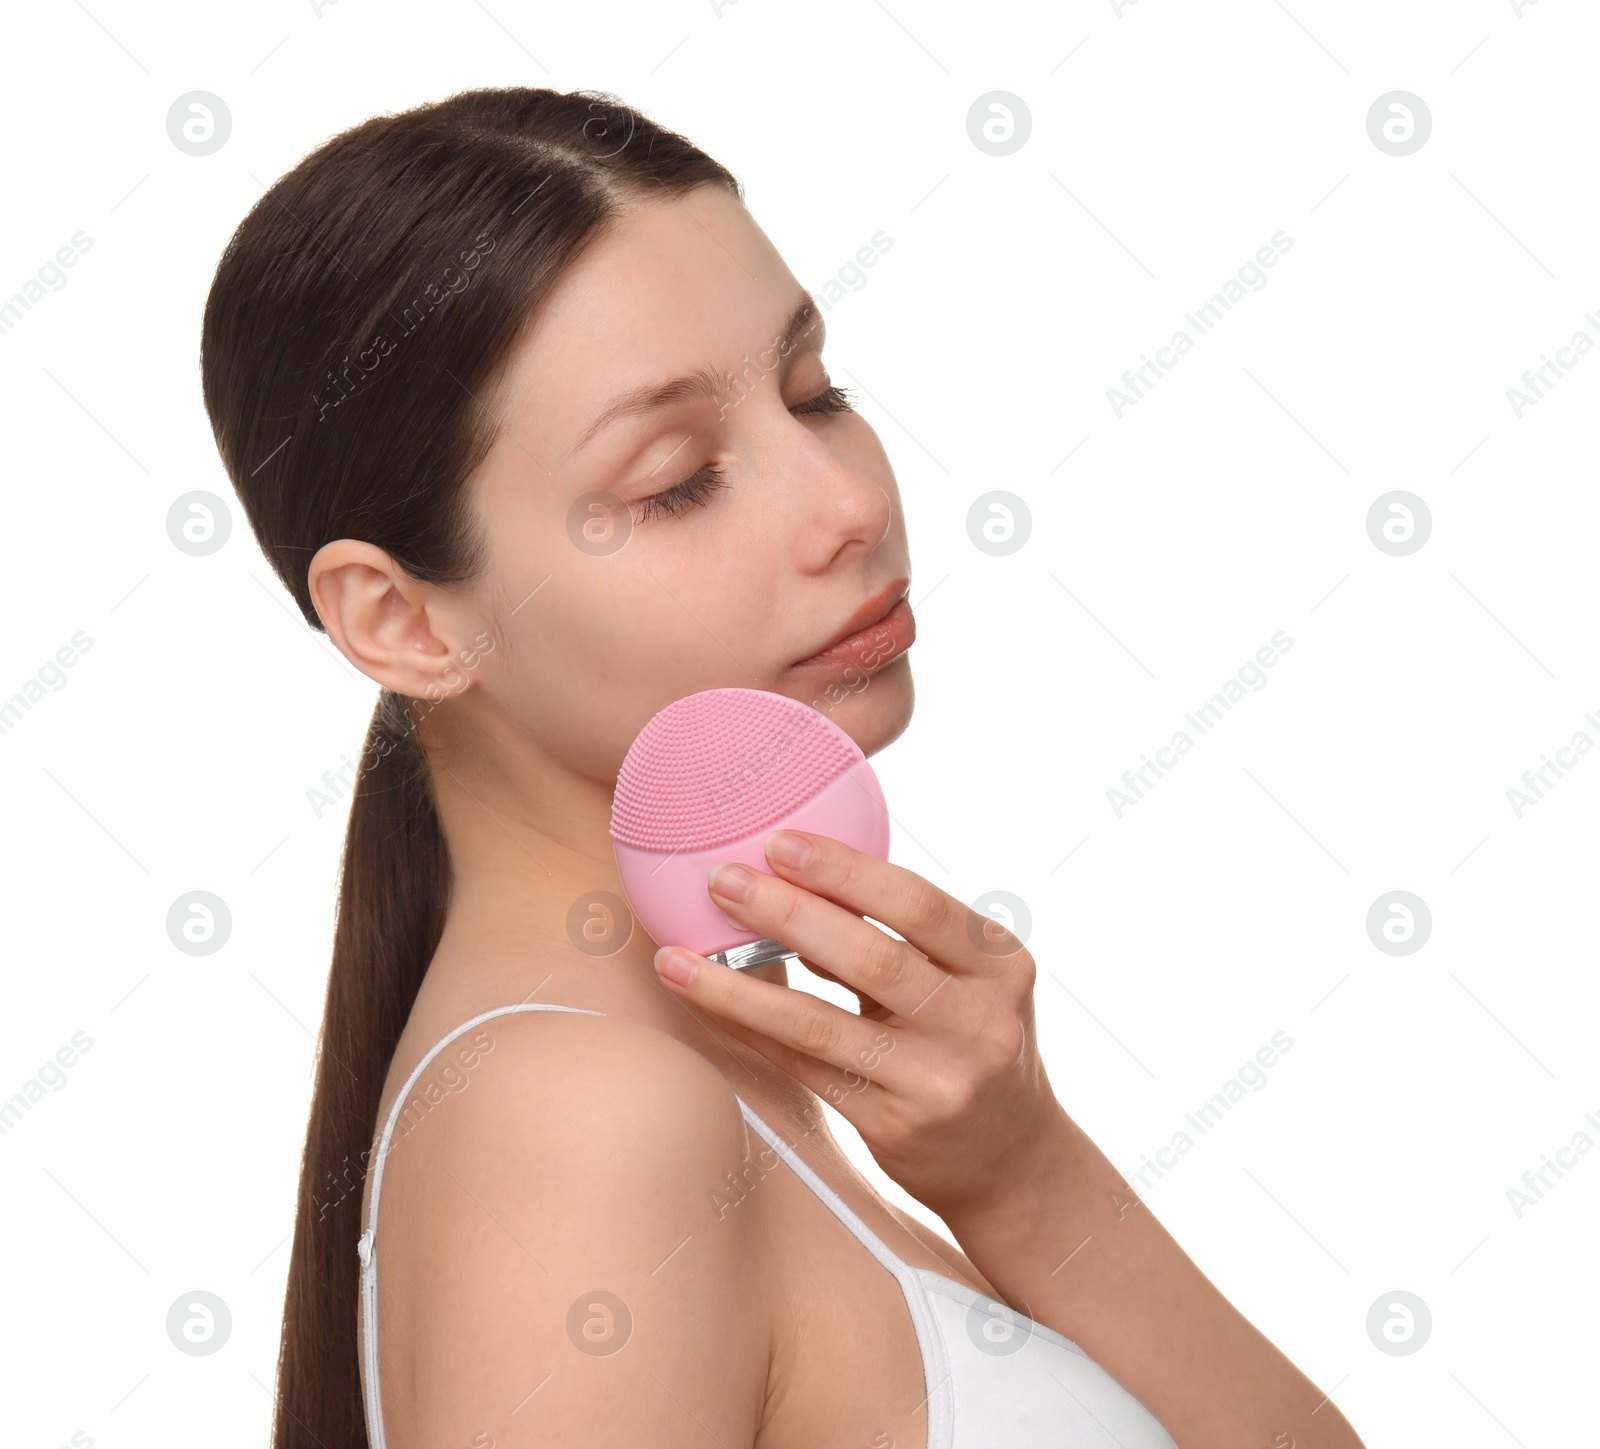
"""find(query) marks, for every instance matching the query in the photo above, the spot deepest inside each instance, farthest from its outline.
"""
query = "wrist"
(1055, 1184)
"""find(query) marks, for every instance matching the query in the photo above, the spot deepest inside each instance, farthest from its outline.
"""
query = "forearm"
(1070, 1244)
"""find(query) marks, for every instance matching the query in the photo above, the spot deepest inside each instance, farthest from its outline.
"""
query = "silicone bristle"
(721, 765)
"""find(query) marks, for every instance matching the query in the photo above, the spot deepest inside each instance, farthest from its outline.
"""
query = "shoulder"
(558, 1110)
(593, 1088)
(557, 1212)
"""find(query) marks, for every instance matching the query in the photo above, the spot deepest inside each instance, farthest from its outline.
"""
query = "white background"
(1168, 143)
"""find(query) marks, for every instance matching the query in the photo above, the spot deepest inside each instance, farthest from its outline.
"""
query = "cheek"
(593, 645)
(601, 634)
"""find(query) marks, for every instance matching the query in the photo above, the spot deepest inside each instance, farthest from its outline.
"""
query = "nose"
(834, 508)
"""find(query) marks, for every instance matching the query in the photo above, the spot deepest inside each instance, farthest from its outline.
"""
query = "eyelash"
(695, 490)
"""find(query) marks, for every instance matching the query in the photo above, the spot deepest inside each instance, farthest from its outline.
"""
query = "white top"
(995, 1378)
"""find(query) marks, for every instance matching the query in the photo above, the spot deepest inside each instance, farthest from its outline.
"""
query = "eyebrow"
(707, 382)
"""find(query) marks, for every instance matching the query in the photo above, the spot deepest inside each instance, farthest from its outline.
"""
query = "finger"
(869, 1008)
(862, 957)
(835, 1085)
(945, 929)
(817, 1039)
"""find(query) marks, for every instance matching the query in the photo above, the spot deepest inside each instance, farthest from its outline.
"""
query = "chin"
(874, 712)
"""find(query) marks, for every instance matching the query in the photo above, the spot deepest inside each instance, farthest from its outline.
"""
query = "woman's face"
(612, 590)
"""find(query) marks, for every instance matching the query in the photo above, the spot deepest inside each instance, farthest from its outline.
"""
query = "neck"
(537, 911)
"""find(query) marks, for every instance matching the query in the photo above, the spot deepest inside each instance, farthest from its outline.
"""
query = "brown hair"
(358, 321)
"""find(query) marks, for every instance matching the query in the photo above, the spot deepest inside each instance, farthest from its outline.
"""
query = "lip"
(886, 608)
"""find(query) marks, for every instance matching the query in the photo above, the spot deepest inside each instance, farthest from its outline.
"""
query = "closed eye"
(830, 400)
(681, 497)
(696, 490)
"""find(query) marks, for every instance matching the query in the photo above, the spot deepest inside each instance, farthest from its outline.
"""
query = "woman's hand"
(940, 1072)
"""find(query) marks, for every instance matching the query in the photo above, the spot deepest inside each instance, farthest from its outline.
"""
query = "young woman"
(533, 420)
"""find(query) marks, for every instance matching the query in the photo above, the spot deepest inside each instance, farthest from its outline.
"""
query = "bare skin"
(592, 1153)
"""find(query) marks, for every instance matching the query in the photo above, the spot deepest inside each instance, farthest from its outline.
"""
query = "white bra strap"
(940, 1400)
(366, 1247)
(841, 1209)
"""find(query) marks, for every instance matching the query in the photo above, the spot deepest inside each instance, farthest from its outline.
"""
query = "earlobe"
(378, 617)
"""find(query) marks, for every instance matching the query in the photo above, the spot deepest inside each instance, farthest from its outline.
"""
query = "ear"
(393, 628)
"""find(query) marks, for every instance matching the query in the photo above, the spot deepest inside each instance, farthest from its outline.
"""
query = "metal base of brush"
(754, 953)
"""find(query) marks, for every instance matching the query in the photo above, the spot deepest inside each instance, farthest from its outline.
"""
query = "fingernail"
(731, 881)
(787, 848)
(675, 964)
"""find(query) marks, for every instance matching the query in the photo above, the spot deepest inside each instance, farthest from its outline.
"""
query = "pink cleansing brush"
(705, 782)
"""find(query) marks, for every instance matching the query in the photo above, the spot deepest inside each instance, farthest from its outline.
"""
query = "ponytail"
(394, 886)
